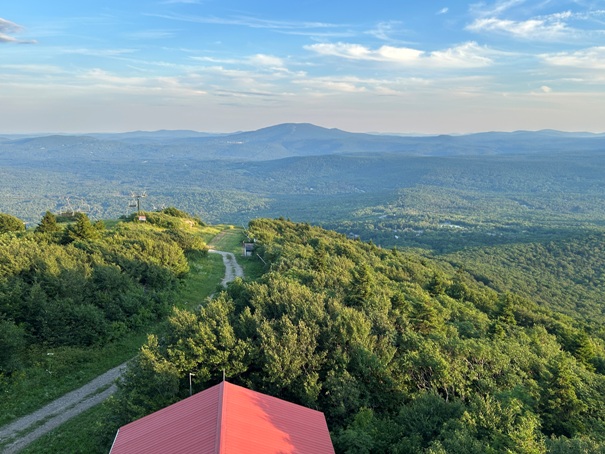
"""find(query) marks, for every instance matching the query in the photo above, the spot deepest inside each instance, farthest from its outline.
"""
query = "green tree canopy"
(48, 224)
(82, 229)
(9, 223)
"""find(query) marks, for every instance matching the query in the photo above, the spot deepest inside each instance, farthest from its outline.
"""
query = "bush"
(12, 342)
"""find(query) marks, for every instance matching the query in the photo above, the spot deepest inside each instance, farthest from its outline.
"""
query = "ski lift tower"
(136, 202)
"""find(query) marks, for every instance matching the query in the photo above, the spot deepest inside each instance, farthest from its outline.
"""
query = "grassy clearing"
(253, 267)
(203, 279)
(208, 232)
(229, 240)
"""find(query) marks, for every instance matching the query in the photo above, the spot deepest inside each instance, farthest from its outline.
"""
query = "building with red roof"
(227, 419)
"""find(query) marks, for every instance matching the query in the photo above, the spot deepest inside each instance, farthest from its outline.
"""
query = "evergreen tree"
(82, 229)
(48, 224)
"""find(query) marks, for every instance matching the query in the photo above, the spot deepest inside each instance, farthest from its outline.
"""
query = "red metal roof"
(227, 419)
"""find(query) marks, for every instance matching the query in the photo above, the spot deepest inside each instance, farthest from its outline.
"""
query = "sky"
(427, 67)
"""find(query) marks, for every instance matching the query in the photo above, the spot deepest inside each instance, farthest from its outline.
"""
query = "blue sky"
(223, 65)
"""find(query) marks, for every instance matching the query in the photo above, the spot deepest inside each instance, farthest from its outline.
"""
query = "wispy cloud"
(247, 21)
(174, 87)
(33, 69)
(443, 11)
(484, 10)
(331, 85)
(387, 31)
(467, 55)
(305, 28)
(8, 28)
(396, 86)
(559, 26)
(260, 62)
(552, 28)
(591, 58)
(150, 34)
(100, 52)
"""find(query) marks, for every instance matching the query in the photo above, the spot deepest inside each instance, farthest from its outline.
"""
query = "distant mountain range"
(303, 139)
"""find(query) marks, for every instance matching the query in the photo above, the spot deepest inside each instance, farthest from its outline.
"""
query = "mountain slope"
(402, 353)
(291, 139)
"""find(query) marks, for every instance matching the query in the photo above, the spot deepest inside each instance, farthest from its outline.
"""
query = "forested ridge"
(84, 285)
(566, 274)
(74, 295)
(404, 353)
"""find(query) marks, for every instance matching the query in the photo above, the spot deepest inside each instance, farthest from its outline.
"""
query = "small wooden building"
(248, 249)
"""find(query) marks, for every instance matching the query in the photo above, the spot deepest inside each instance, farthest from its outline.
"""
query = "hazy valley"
(482, 187)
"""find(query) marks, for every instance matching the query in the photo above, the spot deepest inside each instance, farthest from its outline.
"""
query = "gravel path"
(80, 400)
(59, 411)
(232, 268)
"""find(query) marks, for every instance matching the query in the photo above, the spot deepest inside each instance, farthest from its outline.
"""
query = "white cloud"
(8, 28)
(558, 26)
(545, 88)
(251, 22)
(267, 61)
(483, 10)
(7, 39)
(332, 85)
(386, 30)
(34, 69)
(535, 29)
(219, 61)
(100, 52)
(443, 10)
(591, 58)
(467, 55)
(151, 34)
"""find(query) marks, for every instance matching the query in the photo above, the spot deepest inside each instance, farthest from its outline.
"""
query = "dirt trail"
(59, 411)
(80, 400)
(232, 268)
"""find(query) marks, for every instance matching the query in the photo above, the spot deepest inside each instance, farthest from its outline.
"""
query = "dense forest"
(404, 353)
(79, 284)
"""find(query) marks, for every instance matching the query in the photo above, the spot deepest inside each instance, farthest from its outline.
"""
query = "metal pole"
(190, 388)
